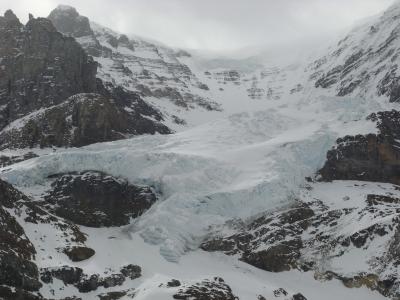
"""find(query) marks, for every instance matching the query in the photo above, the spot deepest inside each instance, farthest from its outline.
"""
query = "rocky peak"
(68, 21)
(55, 66)
(10, 16)
(67, 9)
(9, 21)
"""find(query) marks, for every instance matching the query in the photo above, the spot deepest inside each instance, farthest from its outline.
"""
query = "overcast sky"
(214, 24)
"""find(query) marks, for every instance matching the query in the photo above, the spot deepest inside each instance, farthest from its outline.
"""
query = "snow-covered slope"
(153, 70)
(192, 88)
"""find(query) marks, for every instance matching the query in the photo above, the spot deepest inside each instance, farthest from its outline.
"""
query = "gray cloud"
(215, 24)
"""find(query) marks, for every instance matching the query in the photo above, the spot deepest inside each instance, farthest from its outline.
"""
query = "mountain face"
(40, 70)
(280, 182)
(367, 57)
(39, 67)
(154, 71)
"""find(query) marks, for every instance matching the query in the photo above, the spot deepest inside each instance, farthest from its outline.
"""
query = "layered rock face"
(81, 120)
(39, 67)
(374, 157)
(281, 231)
(49, 94)
(365, 57)
(68, 21)
(19, 275)
(152, 70)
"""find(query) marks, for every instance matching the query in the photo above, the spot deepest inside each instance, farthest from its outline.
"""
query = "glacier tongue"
(205, 176)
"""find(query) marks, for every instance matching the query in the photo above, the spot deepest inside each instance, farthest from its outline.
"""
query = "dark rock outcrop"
(174, 283)
(95, 199)
(373, 157)
(79, 253)
(17, 269)
(68, 275)
(16, 252)
(308, 235)
(10, 160)
(48, 86)
(81, 120)
(131, 271)
(278, 258)
(215, 289)
(87, 283)
(298, 297)
(115, 295)
(8, 293)
(280, 231)
(39, 67)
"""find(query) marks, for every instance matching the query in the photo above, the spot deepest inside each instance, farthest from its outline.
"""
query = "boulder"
(77, 254)
(173, 283)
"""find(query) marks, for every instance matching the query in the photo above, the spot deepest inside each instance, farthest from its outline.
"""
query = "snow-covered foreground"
(116, 248)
